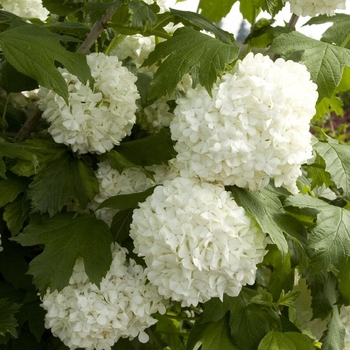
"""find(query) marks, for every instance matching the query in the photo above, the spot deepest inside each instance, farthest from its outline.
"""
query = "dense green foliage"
(42, 239)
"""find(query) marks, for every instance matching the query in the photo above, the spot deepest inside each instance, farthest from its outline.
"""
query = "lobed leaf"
(188, 51)
(213, 12)
(337, 162)
(8, 322)
(334, 339)
(287, 341)
(33, 50)
(61, 181)
(11, 187)
(67, 238)
(264, 206)
(324, 61)
(329, 240)
(155, 149)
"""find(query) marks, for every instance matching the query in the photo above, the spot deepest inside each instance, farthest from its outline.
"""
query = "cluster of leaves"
(41, 180)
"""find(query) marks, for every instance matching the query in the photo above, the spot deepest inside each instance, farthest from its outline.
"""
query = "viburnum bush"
(165, 187)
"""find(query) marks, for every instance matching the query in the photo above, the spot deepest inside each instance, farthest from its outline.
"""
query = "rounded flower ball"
(95, 120)
(313, 8)
(196, 241)
(26, 8)
(254, 128)
(85, 316)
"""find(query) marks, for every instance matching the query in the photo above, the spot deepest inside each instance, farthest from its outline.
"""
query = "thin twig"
(293, 21)
(28, 126)
(96, 30)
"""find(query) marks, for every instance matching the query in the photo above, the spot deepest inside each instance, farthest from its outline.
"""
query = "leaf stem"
(345, 42)
(96, 30)
(293, 21)
(114, 43)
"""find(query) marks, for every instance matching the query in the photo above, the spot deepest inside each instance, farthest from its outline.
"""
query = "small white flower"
(196, 241)
(85, 316)
(95, 120)
(313, 7)
(26, 8)
(254, 128)
(345, 318)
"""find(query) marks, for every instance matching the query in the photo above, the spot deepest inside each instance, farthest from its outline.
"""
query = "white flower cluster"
(137, 47)
(95, 119)
(26, 8)
(301, 313)
(254, 128)
(85, 316)
(196, 241)
(345, 318)
(313, 8)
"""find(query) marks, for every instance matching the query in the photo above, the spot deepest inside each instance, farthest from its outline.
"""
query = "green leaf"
(15, 214)
(76, 29)
(33, 50)
(126, 201)
(337, 33)
(246, 318)
(211, 10)
(317, 173)
(25, 163)
(168, 329)
(61, 181)
(324, 293)
(324, 61)
(13, 266)
(142, 15)
(119, 162)
(334, 339)
(155, 149)
(120, 226)
(249, 10)
(271, 6)
(201, 22)
(13, 81)
(216, 336)
(337, 160)
(188, 51)
(8, 322)
(344, 282)
(263, 206)
(62, 8)
(287, 341)
(329, 240)
(66, 239)
(282, 275)
(11, 187)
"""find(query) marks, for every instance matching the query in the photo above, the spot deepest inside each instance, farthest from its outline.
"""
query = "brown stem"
(293, 21)
(96, 30)
(28, 126)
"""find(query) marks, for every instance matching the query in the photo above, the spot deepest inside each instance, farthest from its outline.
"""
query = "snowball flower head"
(345, 318)
(254, 128)
(85, 316)
(26, 8)
(196, 241)
(137, 47)
(95, 119)
(313, 7)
